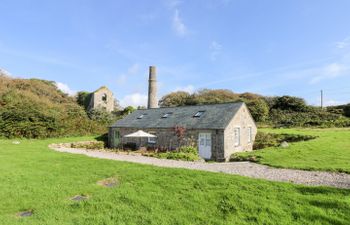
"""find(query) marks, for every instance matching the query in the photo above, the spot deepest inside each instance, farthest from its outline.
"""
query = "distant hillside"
(35, 108)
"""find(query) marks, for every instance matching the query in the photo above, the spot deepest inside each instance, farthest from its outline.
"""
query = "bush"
(89, 145)
(265, 140)
(314, 117)
(290, 103)
(178, 156)
(242, 158)
(186, 153)
(347, 110)
(258, 109)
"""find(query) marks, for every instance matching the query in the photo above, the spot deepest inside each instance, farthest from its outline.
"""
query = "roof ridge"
(185, 106)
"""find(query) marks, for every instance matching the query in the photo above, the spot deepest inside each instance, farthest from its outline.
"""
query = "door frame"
(206, 149)
(116, 138)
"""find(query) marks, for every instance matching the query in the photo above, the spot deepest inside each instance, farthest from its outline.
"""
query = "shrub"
(178, 156)
(188, 149)
(347, 110)
(89, 145)
(265, 140)
(241, 158)
(311, 118)
(290, 103)
(186, 153)
(258, 109)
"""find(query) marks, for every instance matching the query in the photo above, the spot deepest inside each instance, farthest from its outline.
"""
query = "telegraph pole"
(321, 99)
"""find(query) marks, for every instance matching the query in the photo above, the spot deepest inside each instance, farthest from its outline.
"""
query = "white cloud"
(189, 88)
(135, 99)
(343, 44)
(178, 25)
(65, 88)
(132, 70)
(215, 48)
(330, 71)
(5, 72)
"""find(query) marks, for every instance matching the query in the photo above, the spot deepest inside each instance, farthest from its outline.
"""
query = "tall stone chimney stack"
(152, 88)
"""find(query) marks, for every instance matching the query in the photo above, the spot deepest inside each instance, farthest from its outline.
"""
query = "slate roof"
(215, 116)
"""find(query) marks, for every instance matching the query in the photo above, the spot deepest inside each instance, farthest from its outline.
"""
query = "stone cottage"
(102, 98)
(218, 130)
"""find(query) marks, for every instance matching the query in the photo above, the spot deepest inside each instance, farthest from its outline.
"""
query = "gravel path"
(248, 169)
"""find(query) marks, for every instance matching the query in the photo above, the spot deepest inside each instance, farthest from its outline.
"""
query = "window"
(166, 115)
(250, 135)
(104, 97)
(141, 116)
(199, 114)
(237, 136)
(152, 140)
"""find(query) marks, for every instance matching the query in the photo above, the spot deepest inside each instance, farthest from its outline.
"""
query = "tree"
(178, 98)
(207, 96)
(141, 107)
(347, 110)
(83, 99)
(259, 110)
(290, 103)
(128, 110)
(247, 96)
(117, 106)
(101, 116)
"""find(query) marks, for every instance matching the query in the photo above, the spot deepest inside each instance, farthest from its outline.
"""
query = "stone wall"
(102, 99)
(243, 120)
(166, 138)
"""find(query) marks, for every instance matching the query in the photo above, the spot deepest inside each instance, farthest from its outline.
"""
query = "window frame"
(199, 113)
(250, 134)
(166, 115)
(149, 139)
(237, 142)
(141, 116)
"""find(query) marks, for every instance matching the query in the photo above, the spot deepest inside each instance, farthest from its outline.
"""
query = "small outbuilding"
(218, 130)
(102, 98)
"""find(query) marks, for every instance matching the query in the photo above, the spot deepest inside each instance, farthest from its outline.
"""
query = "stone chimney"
(152, 88)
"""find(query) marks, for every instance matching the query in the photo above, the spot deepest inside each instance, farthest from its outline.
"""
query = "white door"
(204, 145)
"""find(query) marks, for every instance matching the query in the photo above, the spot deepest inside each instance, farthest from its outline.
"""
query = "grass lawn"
(36, 178)
(329, 152)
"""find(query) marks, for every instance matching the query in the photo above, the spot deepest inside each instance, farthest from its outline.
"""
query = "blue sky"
(270, 47)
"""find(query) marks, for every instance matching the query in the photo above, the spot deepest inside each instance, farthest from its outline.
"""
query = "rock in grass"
(109, 182)
(79, 198)
(284, 144)
(26, 213)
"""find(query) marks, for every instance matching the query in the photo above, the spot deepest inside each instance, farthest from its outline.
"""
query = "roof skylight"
(199, 114)
(166, 115)
(141, 116)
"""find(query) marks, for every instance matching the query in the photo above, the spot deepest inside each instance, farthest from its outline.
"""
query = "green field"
(329, 152)
(36, 178)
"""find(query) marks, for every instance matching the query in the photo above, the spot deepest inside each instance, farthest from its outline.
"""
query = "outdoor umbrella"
(139, 134)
